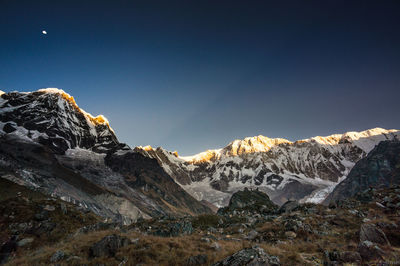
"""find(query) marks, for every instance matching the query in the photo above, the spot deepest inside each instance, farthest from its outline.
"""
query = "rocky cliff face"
(49, 144)
(52, 117)
(380, 169)
(305, 169)
(145, 174)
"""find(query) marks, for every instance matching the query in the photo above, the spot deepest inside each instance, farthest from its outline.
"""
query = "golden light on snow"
(100, 119)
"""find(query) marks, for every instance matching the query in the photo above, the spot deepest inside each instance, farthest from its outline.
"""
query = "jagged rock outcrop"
(369, 232)
(52, 117)
(250, 256)
(250, 200)
(381, 168)
(108, 246)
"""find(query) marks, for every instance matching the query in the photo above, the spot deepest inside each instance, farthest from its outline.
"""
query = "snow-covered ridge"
(96, 120)
(305, 168)
(365, 140)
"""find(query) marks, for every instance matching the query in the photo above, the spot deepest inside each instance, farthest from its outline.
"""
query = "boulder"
(108, 246)
(25, 241)
(371, 233)
(254, 256)
(215, 246)
(252, 235)
(370, 251)
(57, 256)
(250, 200)
(49, 208)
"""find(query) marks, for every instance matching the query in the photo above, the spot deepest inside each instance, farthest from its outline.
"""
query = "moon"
(44, 32)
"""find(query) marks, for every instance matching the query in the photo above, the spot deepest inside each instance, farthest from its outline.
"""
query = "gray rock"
(108, 246)
(25, 241)
(254, 256)
(215, 246)
(197, 260)
(370, 251)
(251, 201)
(57, 256)
(371, 233)
(252, 235)
(49, 208)
(205, 239)
(387, 199)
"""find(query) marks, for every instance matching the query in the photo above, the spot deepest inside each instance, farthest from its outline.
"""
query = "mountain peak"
(96, 120)
(52, 116)
(252, 144)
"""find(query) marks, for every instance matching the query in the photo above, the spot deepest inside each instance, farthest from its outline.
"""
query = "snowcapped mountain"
(305, 170)
(52, 117)
(49, 144)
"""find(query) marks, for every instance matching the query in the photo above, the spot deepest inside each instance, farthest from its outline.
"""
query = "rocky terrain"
(306, 170)
(363, 230)
(381, 168)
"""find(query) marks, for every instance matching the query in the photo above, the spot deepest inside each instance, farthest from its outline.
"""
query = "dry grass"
(150, 250)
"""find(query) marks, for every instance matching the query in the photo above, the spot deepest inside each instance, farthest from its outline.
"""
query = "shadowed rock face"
(380, 169)
(108, 246)
(146, 174)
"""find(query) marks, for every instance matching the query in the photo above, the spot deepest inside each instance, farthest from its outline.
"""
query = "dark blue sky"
(193, 75)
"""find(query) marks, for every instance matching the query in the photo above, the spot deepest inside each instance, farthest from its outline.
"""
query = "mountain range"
(49, 144)
(305, 170)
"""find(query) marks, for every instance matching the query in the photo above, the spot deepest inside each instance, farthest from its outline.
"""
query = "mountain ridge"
(316, 164)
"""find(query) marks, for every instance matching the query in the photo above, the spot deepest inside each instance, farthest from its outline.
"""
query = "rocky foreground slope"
(49, 144)
(363, 230)
(305, 170)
